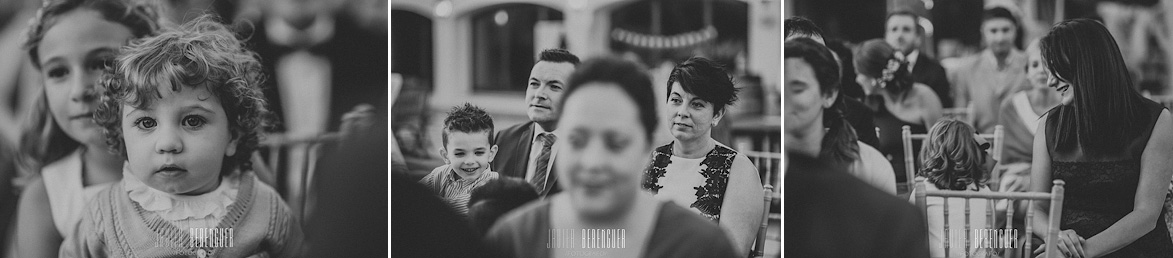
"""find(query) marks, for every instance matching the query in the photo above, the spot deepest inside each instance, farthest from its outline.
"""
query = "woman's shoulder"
(740, 160)
(923, 90)
(925, 94)
(867, 152)
(67, 166)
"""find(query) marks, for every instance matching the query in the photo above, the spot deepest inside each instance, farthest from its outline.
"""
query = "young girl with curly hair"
(184, 110)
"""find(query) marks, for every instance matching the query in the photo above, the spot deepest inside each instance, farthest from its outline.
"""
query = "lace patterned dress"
(1100, 189)
(702, 190)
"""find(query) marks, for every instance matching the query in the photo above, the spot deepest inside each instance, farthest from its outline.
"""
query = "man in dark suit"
(904, 33)
(527, 150)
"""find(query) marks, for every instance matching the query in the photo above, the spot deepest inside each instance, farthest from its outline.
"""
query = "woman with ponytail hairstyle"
(814, 121)
(898, 100)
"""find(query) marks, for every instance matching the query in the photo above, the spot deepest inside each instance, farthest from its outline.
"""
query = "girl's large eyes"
(145, 123)
(194, 121)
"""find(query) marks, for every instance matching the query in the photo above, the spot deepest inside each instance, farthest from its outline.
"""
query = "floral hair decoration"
(889, 72)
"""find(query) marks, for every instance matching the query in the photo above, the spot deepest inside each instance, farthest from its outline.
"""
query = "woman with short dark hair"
(695, 170)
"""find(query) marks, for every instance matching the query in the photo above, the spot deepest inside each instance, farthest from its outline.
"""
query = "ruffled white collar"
(211, 205)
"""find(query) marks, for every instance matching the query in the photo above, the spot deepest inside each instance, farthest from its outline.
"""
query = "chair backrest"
(760, 244)
(292, 159)
(769, 166)
(910, 155)
(1055, 197)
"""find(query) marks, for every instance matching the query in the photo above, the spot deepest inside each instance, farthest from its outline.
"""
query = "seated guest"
(983, 80)
(1109, 144)
(954, 158)
(810, 93)
(812, 81)
(903, 32)
(902, 101)
(528, 150)
(857, 114)
(695, 170)
(468, 148)
(1019, 116)
(609, 117)
(487, 203)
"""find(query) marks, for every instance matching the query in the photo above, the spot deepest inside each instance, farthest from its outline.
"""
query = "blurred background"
(1141, 27)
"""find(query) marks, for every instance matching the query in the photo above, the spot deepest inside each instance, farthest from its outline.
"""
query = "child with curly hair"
(954, 158)
(184, 109)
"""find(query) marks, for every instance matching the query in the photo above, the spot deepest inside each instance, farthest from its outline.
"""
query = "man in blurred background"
(905, 34)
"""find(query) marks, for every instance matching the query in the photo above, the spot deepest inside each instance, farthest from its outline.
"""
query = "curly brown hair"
(951, 158)
(200, 53)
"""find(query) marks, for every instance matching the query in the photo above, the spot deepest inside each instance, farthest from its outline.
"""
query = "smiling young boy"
(468, 148)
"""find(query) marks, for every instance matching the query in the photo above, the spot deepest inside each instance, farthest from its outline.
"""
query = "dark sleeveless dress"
(891, 144)
(1100, 189)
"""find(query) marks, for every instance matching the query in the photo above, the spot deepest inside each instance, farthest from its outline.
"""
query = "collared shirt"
(985, 84)
(454, 189)
(911, 58)
(535, 150)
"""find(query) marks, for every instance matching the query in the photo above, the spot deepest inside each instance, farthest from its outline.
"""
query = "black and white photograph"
(194, 128)
(983, 128)
(586, 128)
